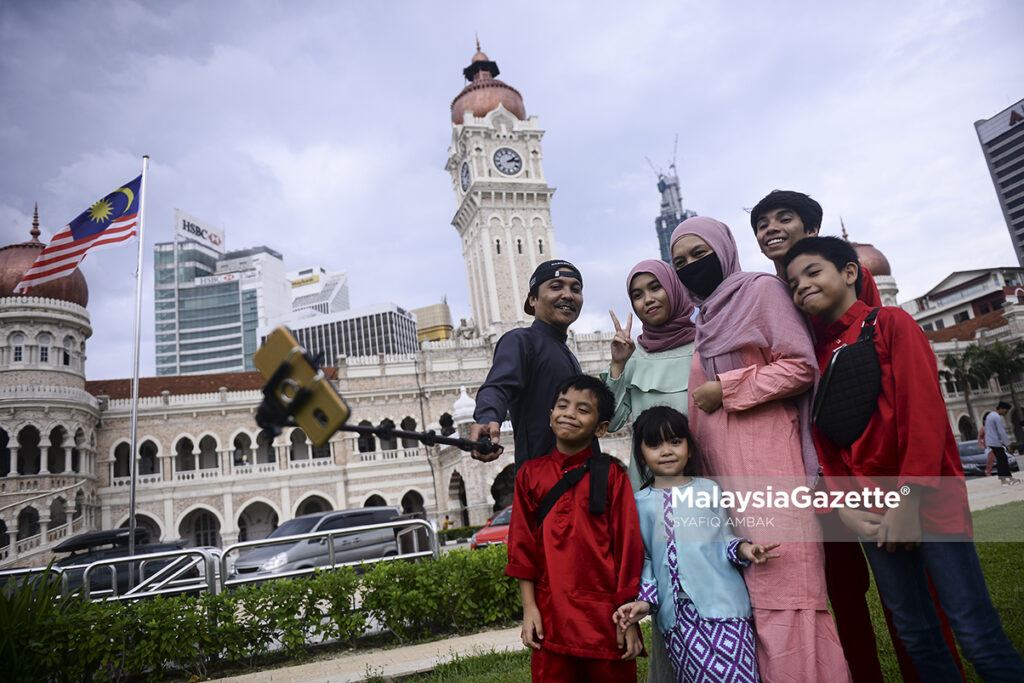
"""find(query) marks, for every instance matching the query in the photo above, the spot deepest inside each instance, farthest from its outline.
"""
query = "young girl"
(749, 389)
(690, 574)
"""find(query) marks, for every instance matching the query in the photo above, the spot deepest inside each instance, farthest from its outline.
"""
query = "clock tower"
(504, 202)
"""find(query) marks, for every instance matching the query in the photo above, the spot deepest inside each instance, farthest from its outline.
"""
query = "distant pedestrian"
(998, 441)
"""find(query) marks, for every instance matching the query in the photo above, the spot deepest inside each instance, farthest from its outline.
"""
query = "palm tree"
(1006, 361)
(964, 368)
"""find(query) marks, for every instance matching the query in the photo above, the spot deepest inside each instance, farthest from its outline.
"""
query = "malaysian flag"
(107, 223)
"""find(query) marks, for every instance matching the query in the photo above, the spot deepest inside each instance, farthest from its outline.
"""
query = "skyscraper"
(672, 211)
(1002, 142)
(209, 303)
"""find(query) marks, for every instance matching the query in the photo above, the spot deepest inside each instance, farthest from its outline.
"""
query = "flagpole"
(133, 458)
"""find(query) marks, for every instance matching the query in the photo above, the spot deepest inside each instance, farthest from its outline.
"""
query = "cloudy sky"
(321, 129)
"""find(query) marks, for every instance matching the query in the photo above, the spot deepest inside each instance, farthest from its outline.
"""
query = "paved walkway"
(411, 659)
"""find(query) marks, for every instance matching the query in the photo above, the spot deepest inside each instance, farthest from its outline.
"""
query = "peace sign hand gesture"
(622, 345)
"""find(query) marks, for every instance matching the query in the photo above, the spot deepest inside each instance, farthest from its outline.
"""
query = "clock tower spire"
(503, 213)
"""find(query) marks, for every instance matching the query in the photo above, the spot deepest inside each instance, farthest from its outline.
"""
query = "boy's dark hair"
(801, 204)
(835, 250)
(605, 397)
(653, 427)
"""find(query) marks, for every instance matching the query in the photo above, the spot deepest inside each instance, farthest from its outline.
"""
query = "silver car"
(362, 545)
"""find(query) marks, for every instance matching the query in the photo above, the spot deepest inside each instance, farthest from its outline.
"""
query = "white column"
(491, 283)
(44, 455)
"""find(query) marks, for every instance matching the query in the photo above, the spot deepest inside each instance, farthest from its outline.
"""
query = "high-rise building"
(1002, 142)
(504, 202)
(378, 330)
(672, 211)
(314, 289)
(209, 303)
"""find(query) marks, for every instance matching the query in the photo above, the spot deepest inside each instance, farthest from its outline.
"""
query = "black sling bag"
(848, 393)
(598, 466)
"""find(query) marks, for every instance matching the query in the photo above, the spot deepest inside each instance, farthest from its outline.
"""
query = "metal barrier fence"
(195, 570)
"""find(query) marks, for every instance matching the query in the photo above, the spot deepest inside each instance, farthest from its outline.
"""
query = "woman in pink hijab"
(750, 386)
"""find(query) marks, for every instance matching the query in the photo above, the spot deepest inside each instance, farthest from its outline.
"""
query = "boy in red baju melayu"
(577, 565)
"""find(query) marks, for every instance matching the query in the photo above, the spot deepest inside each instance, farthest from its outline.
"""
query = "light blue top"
(649, 379)
(702, 537)
(995, 432)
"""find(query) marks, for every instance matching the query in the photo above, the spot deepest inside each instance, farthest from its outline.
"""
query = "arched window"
(58, 517)
(28, 523)
(121, 463)
(390, 443)
(66, 360)
(519, 246)
(540, 246)
(375, 501)
(148, 463)
(243, 449)
(44, 340)
(17, 347)
(28, 450)
(409, 425)
(208, 453)
(5, 454)
(412, 502)
(497, 245)
(265, 447)
(300, 450)
(183, 455)
(366, 444)
(447, 425)
(55, 453)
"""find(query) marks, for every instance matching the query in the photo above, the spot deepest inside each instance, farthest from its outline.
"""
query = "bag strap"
(598, 466)
(867, 328)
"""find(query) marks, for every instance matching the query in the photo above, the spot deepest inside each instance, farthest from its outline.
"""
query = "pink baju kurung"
(756, 435)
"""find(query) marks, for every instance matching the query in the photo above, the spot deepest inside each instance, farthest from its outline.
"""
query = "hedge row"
(43, 637)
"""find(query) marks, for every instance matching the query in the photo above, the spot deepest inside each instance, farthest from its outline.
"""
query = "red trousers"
(551, 667)
(847, 579)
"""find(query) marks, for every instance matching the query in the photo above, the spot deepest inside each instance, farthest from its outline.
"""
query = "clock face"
(465, 176)
(508, 161)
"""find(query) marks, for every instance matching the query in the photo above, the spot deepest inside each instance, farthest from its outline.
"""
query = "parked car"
(107, 544)
(363, 545)
(495, 531)
(973, 459)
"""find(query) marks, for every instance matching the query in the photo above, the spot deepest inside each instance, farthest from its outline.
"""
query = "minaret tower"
(504, 202)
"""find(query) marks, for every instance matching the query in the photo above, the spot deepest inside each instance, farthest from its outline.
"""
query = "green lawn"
(1002, 562)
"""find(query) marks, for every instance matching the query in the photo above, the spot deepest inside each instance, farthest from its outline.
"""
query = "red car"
(495, 531)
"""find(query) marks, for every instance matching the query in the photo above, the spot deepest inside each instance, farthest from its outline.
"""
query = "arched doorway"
(968, 432)
(184, 461)
(58, 516)
(55, 453)
(148, 523)
(28, 523)
(299, 449)
(148, 463)
(457, 502)
(503, 487)
(200, 527)
(208, 459)
(375, 501)
(366, 443)
(313, 504)
(256, 521)
(28, 452)
(412, 503)
(121, 460)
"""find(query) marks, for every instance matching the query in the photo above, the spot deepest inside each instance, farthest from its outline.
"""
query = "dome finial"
(35, 224)
(843, 226)
(477, 41)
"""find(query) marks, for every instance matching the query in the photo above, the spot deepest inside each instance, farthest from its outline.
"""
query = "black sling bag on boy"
(847, 396)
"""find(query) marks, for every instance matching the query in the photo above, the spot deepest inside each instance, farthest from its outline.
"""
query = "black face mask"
(702, 276)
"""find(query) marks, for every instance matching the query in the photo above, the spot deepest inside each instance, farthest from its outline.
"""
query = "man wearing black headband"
(529, 363)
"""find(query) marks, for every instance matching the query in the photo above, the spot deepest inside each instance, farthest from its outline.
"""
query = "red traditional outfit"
(906, 441)
(584, 566)
(846, 568)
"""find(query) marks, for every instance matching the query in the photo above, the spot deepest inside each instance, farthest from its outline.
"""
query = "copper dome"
(872, 259)
(485, 92)
(16, 259)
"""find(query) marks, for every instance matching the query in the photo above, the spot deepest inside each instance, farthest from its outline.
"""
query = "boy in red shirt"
(907, 446)
(583, 558)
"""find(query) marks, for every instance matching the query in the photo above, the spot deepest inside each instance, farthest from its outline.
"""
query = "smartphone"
(325, 411)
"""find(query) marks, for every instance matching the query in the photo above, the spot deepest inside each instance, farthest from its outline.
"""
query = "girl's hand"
(708, 396)
(630, 613)
(861, 522)
(622, 345)
(533, 629)
(632, 642)
(757, 554)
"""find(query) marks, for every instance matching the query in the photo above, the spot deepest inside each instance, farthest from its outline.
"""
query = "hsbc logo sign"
(192, 228)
